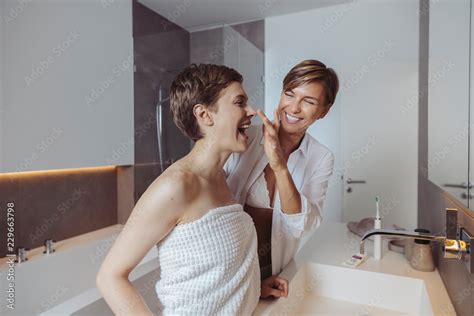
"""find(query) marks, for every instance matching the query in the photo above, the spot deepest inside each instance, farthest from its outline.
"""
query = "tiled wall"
(432, 201)
(206, 46)
(161, 50)
(239, 46)
(254, 32)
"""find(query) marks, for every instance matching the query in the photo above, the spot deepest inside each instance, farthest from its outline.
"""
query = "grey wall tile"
(59, 204)
(207, 46)
(161, 51)
(254, 32)
(239, 47)
(125, 192)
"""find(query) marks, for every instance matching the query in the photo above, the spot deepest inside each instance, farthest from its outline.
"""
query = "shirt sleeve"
(312, 195)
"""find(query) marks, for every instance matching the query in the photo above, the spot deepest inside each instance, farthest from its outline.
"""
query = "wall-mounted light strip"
(54, 172)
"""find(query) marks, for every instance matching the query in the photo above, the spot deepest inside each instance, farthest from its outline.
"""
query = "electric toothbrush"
(377, 238)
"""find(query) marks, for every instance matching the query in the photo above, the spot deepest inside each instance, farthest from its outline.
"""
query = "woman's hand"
(272, 145)
(274, 286)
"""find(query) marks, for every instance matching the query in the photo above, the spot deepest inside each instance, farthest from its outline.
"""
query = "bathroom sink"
(319, 289)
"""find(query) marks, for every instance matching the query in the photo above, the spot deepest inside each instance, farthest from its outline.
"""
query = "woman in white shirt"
(282, 178)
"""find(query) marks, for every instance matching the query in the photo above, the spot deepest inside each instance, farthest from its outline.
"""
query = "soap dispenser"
(422, 254)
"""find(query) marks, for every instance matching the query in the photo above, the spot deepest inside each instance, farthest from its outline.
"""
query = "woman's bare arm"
(154, 216)
(290, 198)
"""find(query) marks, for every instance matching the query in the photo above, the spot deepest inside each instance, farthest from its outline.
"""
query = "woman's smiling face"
(302, 106)
(232, 118)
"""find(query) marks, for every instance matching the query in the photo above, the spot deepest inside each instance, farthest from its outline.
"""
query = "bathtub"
(63, 283)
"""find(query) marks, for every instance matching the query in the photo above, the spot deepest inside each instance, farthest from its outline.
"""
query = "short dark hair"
(198, 84)
(312, 70)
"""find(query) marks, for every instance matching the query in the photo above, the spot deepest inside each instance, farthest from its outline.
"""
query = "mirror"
(448, 97)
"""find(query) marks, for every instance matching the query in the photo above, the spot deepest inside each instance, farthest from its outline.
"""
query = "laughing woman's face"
(233, 118)
(302, 106)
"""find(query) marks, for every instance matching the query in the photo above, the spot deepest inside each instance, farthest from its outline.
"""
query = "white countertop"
(333, 244)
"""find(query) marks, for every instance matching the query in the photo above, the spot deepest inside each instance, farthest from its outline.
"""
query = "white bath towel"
(210, 266)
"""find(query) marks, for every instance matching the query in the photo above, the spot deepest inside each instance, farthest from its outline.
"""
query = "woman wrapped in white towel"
(207, 244)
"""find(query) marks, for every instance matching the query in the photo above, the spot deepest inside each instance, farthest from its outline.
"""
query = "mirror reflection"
(448, 97)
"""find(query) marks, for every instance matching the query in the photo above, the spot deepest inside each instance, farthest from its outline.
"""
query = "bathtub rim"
(65, 245)
(148, 264)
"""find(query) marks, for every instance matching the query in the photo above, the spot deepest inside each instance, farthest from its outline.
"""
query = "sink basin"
(319, 289)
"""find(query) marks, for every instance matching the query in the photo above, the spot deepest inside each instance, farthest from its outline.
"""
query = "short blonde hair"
(312, 70)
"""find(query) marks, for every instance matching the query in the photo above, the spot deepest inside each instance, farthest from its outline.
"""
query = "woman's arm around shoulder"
(154, 216)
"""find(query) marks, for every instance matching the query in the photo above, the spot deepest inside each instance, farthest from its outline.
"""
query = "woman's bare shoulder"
(176, 182)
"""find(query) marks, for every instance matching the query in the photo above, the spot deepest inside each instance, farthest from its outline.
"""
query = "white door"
(379, 143)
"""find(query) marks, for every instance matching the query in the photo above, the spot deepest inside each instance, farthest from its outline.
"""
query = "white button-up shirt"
(310, 166)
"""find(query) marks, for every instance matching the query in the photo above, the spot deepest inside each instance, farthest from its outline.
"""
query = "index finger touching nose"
(262, 115)
(264, 118)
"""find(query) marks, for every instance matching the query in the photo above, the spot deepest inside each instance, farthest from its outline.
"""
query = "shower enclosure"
(161, 50)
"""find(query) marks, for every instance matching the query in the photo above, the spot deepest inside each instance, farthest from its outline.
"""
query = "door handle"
(465, 196)
(461, 186)
(350, 181)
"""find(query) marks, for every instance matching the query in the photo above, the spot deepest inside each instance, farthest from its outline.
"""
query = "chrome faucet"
(21, 254)
(48, 246)
(459, 248)
(452, 248)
